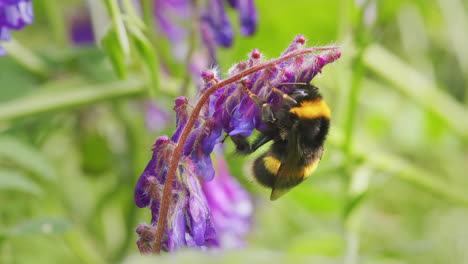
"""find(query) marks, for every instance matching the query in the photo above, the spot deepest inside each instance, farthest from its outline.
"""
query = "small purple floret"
(14, 15)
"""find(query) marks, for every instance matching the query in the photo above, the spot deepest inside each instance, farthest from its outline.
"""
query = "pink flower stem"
(166, 197)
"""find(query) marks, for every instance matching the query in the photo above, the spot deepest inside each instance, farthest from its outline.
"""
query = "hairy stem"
(166, 198)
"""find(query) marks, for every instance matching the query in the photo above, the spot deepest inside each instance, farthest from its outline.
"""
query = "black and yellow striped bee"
(298, 128)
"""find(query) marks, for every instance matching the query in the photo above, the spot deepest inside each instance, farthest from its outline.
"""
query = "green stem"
(56, 21)
(351, 221)
(148, 15)
(26, 58)
(350, 114)
(130, 11)
(159, 41)
(417, 87)
(417, 176)
(351, 231)
(82, 246)
(70, 98)
(117, 21)
(404, 170)
(352, 248)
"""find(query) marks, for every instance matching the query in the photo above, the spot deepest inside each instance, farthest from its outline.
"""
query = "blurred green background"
(391, 187)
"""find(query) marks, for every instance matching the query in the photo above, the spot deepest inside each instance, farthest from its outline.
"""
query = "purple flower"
(156, 117)
(14, 15)
(247, 15)
(173, 16)
(189, 220)
(230, 205)
(81, 28)
(218, 214)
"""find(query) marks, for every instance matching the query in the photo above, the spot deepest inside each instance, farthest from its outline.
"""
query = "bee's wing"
(291, 171)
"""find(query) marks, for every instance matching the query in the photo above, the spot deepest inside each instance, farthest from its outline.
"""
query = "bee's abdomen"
(265, 169)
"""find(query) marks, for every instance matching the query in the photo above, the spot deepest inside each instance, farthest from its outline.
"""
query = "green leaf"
(147, 53)
(26, 58)
(404, 170)
(69, 98)
(324, 244)
(39, 227)
(26, 157)
(16, 181)
(352, 203)
(314, 199)
(119, 26)
(110, 43)
(416, 86)
(96, 154)
(132, 15)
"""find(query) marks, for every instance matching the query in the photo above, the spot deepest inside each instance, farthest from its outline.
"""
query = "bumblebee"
(298, 128)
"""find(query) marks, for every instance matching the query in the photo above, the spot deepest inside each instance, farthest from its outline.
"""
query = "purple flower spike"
(230, 205)
(173, 16)
(208, 207)
(14, 15)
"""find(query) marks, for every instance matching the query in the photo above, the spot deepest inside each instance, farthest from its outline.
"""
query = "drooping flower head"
(14, 15)
(194, 217)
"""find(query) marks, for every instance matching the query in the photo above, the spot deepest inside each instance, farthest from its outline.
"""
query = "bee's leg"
(260, 141)
(244, 147)
(242, 144)
(267, 111)
(286, 98)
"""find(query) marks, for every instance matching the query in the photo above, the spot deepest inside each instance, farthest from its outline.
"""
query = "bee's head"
(302, 92)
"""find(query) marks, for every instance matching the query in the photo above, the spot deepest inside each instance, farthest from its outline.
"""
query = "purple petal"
(233, 3)
(230, 205)
(156, 168)
(141, 197)
(170, 14)
(248, 17)
(156, 118)
(16, 14)
(177, 222)
(81, 29)
(5, 33)
(217, 18)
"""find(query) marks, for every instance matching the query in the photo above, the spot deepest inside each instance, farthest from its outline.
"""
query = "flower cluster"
(14, 15)
(192, 220)
(214, 25)
(230, 206)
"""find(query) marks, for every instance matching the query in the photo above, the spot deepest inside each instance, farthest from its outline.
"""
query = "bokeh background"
(391, 187)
